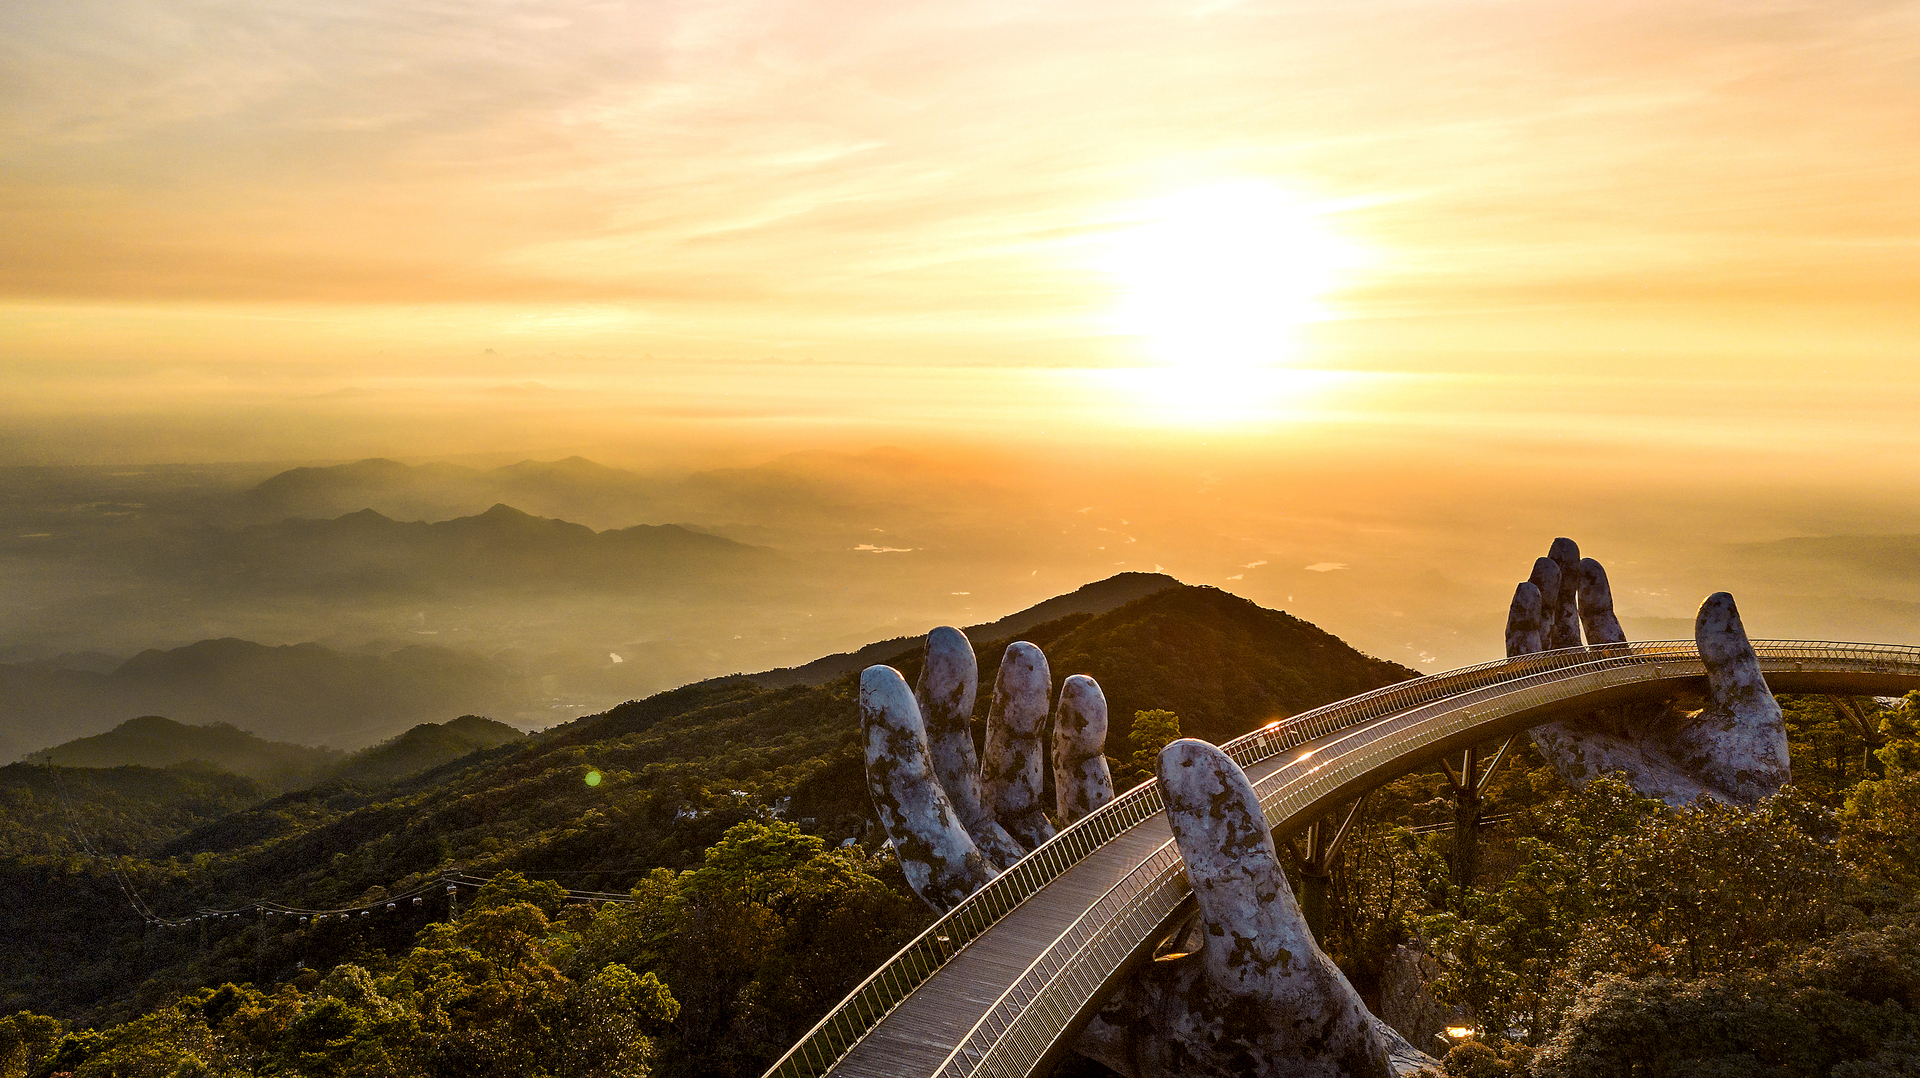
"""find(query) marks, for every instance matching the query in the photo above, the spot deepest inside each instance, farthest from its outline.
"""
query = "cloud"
(1640, 187)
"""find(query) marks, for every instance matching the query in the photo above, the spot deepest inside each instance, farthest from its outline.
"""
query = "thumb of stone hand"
(1259, 997)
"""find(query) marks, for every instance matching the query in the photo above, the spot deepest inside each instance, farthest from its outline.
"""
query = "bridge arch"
(999, 984)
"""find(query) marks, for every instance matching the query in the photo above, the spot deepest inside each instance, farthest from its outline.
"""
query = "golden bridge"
(1002, 983)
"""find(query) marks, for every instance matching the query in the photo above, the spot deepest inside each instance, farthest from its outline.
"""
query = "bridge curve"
(1000, 984)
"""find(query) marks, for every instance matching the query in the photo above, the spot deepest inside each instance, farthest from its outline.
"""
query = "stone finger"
(938, 857)
(1738, 742)
(1014, 775)
(1258, 949)
(949, 681)
(1081, 781)
(1546, 578)
(1523, 620)
(1561, 619)
(1595, 599)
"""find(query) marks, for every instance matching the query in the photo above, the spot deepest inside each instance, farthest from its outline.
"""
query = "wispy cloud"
(1644, 185)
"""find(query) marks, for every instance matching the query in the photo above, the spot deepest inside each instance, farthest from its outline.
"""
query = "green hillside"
(153, 741)
(45, 812)
(677, 770)
(426, 746)
(277, 766)
(1096, 598)
(1773, 942)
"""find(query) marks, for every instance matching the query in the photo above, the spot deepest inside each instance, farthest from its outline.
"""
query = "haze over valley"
(339, 604)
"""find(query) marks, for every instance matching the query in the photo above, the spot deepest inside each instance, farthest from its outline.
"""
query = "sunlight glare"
(1219, 397)
(1221, 277)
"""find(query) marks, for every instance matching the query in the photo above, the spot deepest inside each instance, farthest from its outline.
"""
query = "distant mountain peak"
(571, 467)
(157, 724)
(1098, 597)
(156, 741)
(365, 516)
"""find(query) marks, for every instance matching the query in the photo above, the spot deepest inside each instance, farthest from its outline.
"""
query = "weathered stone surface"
(1546, 578)
(939, 858)
(1523, 620)
(1259, 997)
(1013, 777)
(1563, 629)
(1081, 781)
(1733, 750)
(1256, 942)
(1584, 749)
(949, 683)
(1255, 996)
(1595, 599)
(1407, 1004)
(1738, 742)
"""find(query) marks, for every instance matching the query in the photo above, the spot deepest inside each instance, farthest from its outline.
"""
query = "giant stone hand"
(1252, 995)
(1733, 748)
(954, 823)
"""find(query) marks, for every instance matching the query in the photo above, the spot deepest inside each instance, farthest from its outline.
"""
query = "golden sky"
(1672, 222)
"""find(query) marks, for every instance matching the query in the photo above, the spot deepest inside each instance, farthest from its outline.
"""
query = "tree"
(24, 1038)
(1880, 832)
(1845, 1007)
(1151, 732)
(768, 932)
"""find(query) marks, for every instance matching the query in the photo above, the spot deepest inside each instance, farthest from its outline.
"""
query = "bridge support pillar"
(1469, 790)
(1315, 882)
(1315, 853)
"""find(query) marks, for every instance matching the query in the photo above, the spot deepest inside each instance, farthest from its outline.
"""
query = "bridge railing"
(1133, 899)
(1024, 1022)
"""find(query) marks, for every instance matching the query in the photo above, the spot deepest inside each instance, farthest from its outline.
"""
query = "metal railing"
(1058, 985)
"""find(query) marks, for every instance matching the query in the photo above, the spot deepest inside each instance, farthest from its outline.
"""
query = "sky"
(1682, 235)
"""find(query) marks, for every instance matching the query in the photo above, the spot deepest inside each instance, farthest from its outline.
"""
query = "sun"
(1220, 278)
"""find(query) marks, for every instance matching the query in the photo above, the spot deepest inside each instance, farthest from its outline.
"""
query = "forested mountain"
(154, 742)
(1095, 598)
(1601, 934)
(675, 772)
(424, 747)
(58, 812)
(276, 766)
(303, 693)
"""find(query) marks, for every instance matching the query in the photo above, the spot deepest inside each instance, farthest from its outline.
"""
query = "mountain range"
(302, 693)
(1095, 598)
(574, 488)
(675, 770)
(314, 695)
(502, 548)
(276, 766)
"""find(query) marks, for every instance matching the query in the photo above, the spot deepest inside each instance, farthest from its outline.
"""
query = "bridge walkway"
(999, 984)
(920, 1033)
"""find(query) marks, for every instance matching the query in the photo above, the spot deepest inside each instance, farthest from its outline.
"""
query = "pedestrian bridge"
(1002, 983)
